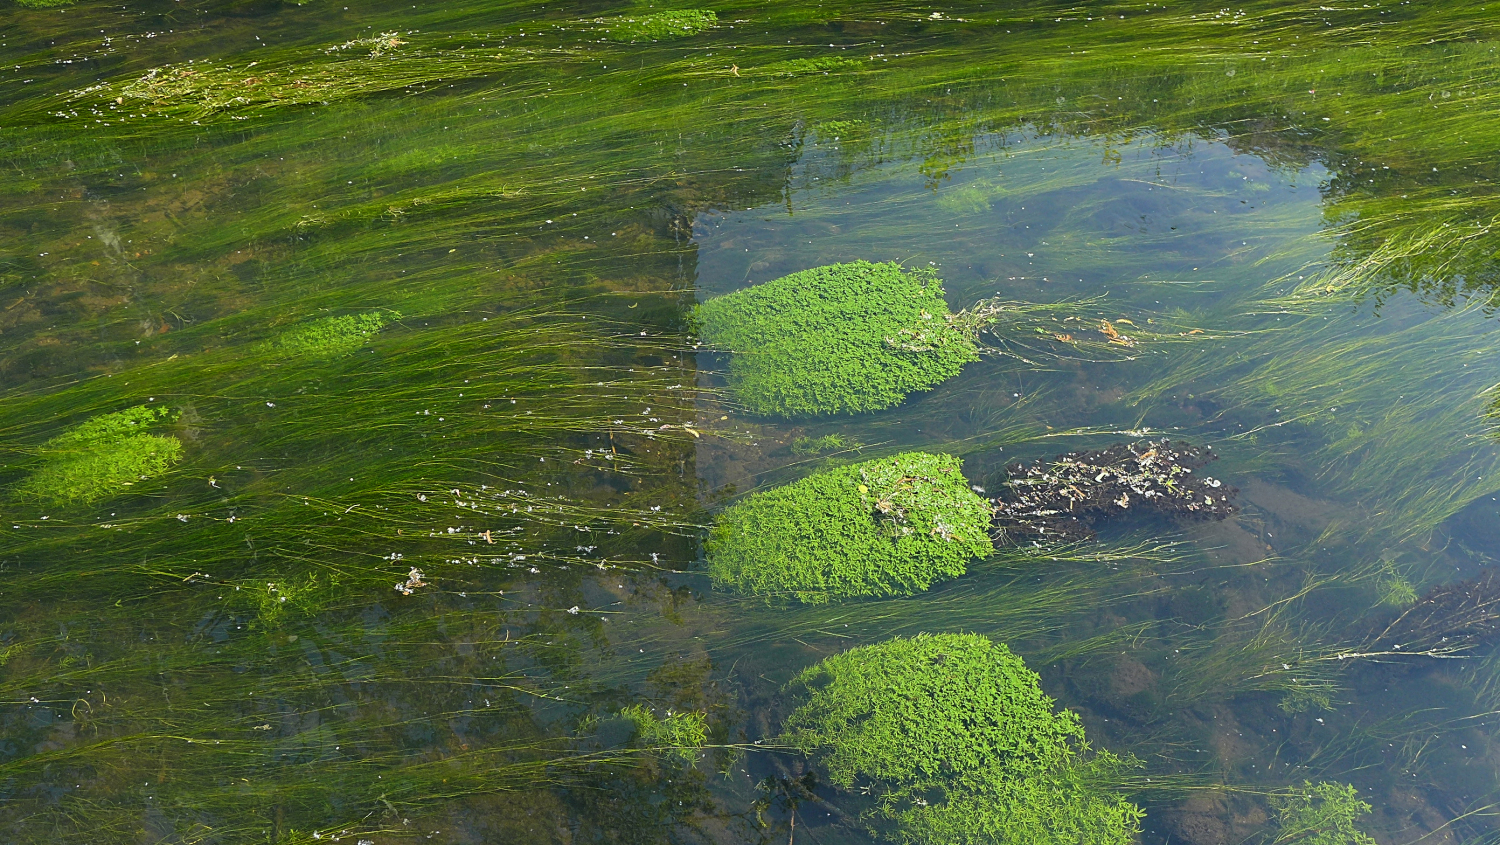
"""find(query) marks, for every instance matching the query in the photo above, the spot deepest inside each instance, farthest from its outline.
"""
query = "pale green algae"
(661, 26)
(887, 527)
(103, 456)
(963, 743)
(331, 337)
(839, 339)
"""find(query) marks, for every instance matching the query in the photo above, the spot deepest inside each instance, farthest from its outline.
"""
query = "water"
(238, 649)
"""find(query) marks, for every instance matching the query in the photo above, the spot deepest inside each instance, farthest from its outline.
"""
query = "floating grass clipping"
(961, 742)
(1060, 499)
(888, 527)
(840, 339)
(1320, 814)
(103, 456)
(661, 26)
(331, 337)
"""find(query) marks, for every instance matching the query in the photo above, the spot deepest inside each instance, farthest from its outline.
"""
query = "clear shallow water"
(542, 230)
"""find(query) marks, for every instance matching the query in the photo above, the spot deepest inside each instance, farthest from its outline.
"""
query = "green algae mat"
(887, 527)
(628, 423)
(841, 339)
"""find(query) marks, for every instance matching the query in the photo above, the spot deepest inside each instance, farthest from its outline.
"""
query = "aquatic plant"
(330, 337)
(1450, 619)
(1059, 499)
(802, 67)
(887, 527)
(961, 717)
(840, 339)
(103, 456)
(1320, 814)
(678, 734)
(1071, 805)
(660, 26)
(818, 445)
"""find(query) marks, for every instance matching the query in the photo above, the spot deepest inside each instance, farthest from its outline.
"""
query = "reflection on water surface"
(425, 560)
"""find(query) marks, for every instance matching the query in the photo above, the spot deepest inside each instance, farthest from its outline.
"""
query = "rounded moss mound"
(331, 337)
(961, 719)
(888, 527)
(841, 339)
(103, 456)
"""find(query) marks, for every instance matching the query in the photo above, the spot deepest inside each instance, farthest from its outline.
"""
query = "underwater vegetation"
(1060, 499)
(887, 527)
(678, 734)
(331, 337)
(1449, 620)
(1320, 814)
(660, 26)
(841, 339)
(959, 744)
(103, 456)
(818, 445)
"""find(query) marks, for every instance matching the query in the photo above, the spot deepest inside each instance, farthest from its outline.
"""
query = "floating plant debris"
(962, 741)
(840, 339)
(1060, 499)
(103, 456)
(888, 527)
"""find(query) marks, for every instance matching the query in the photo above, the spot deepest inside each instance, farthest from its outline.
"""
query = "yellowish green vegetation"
(103, 457)
(1320, 814)
(888, 527)
(840, 339)
(1396, 591)
(660, 26)
(677, 734)
(330, 337)
(961, 744)
(271, 601)
(802, 67)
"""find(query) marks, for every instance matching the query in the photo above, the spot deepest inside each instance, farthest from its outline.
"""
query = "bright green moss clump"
(662, 25)
(103, 456)
(331, 337)
(1321, 814)
(677, 734)
(888, 527)
(959, 718)
(841, 339)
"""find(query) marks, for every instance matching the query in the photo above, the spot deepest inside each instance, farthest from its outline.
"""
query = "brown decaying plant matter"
(1060, 499)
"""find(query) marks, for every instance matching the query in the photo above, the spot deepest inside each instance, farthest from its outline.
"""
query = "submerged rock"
(1061, 499)
(1449, 620)
(888, 527)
